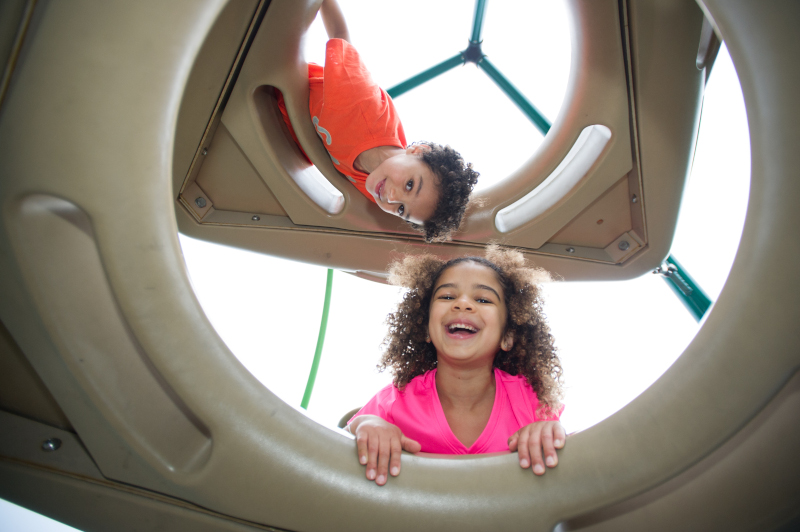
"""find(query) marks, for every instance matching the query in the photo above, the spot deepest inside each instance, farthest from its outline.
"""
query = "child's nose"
(462, 303)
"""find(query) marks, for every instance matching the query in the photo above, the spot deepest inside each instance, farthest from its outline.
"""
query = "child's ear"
(507, 342)
(417, 149)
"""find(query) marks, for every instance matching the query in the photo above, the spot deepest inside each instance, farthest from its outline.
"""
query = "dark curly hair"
(456, 179)
(533, 355)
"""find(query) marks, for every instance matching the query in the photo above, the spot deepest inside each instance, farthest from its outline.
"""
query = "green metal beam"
(685, 287)
(428, 75)
(477, 22)
(541, 123)
(323, 326)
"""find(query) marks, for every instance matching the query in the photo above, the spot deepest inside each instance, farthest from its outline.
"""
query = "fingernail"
(395, 471)
(550, 461)
(371, 474)
(363, 460)
(381, 480)
(523, 463)
(557, 443)
(538, 469)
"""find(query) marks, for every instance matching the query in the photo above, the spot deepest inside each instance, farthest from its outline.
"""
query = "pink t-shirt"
(417, 411)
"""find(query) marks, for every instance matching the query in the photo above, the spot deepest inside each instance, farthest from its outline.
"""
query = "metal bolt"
(634, 199)
(200, 202)
(205, 151)
(51, 444)
(256, 218)
(624, 245)
(570, 250)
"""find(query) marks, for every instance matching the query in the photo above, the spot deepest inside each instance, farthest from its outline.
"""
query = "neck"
(369, 160)
(464, 387)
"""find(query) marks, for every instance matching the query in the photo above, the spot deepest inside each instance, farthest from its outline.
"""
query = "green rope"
(312, 376)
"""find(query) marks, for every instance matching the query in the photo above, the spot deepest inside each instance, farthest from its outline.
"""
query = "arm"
(532, 439)
(333, 19)
(380, 445)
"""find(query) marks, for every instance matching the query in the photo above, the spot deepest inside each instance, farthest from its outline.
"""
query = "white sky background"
(614, 339)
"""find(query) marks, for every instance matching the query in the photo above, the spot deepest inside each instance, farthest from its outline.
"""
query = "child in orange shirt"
(426, 184)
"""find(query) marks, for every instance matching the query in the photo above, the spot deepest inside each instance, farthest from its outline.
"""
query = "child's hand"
(532, 439)
(379, 446)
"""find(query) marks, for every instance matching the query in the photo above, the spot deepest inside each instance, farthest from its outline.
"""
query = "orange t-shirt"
(350, 112)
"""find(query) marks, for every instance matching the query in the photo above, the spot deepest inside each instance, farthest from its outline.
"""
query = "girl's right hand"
(380, 445)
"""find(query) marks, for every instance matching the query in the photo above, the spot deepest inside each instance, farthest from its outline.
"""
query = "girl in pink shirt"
(475, 369)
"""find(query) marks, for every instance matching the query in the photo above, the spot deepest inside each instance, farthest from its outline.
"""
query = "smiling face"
(467, 319)
(405, 186)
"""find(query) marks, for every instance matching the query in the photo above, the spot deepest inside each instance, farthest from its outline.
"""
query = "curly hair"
(533, 355)
(456, 180)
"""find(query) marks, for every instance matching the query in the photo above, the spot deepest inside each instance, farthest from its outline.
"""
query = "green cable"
(312, 376)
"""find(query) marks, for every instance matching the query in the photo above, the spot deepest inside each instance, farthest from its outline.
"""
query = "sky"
(614, 338)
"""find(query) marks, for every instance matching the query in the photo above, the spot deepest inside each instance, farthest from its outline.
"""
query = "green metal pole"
(477, 22)
(690, 294)
(428, 75)
(323, 326)
(519, 100)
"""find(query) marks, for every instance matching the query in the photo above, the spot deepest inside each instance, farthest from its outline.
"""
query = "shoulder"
(522, 396)
(511, 380)
(418, 389)
(388, 394)
(421, 384)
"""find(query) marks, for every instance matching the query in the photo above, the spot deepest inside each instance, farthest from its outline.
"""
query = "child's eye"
(401, 209)
(410, 185)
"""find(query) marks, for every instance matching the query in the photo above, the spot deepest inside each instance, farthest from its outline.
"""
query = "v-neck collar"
(485, 437)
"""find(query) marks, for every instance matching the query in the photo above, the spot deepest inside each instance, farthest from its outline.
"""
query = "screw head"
(624, 245)
(51, 444)
(570, 250)
(255, 218)
(200, 202)
(205, 151)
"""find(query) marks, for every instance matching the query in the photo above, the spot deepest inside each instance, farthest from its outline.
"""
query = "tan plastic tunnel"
(96, 295)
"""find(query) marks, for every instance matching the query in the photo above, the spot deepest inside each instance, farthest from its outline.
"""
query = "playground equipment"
(122, 409)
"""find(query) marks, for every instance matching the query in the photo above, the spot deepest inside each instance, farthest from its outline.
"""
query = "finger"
(560, 436)
(372, 457)
(512, 441)
(361, 444)
(394, 460)
(410, 445)
(534, 446)
(522, 447)
(549, 450)
(383, 461)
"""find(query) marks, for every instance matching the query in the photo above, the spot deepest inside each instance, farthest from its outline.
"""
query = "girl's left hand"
(532, 439)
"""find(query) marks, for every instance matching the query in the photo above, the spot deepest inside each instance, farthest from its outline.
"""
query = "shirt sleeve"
(524, 402)
(540, 413)
(347, 80)
(380, 405)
